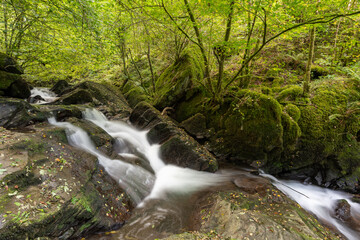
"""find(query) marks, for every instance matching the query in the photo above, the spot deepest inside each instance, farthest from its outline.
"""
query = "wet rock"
(16, 113)
(78, 96)
(8, 64)
(59, 87)
(35, 99)
(343, 210)
(76, 197)
(195, 126)
(19, 89)
(247, 214)
(176, 146)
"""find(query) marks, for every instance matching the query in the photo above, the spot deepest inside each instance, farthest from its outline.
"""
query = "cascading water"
(44, 95)
(159, 191)
(321, 202)
(167, 185)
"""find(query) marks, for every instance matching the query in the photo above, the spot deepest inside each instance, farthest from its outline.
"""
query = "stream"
(163, 192)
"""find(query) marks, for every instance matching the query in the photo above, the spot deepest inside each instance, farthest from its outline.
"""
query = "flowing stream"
(42, 95)
(322, 202)
(161, 187)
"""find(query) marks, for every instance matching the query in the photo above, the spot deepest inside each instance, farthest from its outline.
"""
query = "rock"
(78, 96)
(176, 146)
(59, 87)
(180, 80)
(248, 128)
(103, 96)
(247, 214)
(195, 126)
(84, 199)
(19, 89)
(8, 64)
(12, 85)
(35, 99)
(343, 210)
(16, 113)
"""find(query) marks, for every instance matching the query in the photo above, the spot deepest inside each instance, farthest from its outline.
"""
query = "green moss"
(58, 134)
(178, 79)
(291, 93)
(250, 126)
(6, 79)
(293, 111)
(291, 131)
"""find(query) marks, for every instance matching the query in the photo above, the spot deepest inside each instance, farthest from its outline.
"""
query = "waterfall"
(168, 180)
(42, 95)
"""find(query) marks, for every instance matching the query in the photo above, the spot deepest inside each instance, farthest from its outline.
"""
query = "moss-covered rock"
(293, 111)
(195, 126)
(291, 93)
(60, 192)
(248, 127)
(60, 87)
(78, 96)
(180, 80)
(8, 64)
(13, 85)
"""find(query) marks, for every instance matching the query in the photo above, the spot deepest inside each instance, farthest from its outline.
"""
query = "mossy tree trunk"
(306, 86)
(221, 56)
(200, 44)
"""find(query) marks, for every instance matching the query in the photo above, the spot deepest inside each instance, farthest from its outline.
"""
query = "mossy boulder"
(12, 85)
(180, 80)
(328, 150)
(78, 96)
(290, 93)
(60, 87)
(293, 111)
(195, 126)
(248, 127)
(8, 64)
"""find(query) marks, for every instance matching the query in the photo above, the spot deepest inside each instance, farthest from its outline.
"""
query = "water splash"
(47, 95)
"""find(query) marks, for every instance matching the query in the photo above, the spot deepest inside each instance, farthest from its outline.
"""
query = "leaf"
(17, 204)
(2, 171)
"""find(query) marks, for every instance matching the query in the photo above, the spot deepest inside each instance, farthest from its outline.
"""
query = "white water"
(45, 93)
(171, 181)
(319, 201)
(139, 183)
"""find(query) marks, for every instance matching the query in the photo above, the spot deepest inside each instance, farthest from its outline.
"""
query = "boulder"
(180, 81)
(12, 85)
(8, 64)
(195, 126)
(16, 113)
(78, 96)
(248, 128)
(176, 146)
(55, 191)
(104, 96)
(59, 87)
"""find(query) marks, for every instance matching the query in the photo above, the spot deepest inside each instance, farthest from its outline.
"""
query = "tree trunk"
(148, 54)
(306, 87)
(200, 44)
(221, 58)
